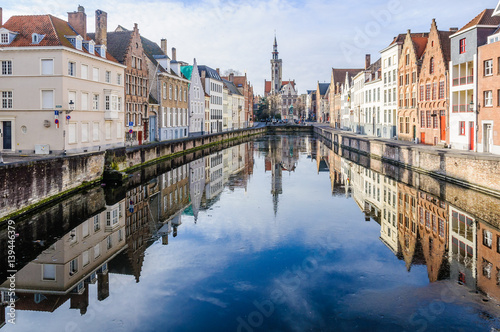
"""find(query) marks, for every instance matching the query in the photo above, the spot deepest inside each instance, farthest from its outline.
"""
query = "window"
(71, 68)
(97, 251)
(106, 103)
(407, 124)
(47, 99)
(422, 119)
(434, 91)
(6, 67)
(407, 59)
(108, 77)
(175, 95)
(427, 92)
(85, 101)
(461, 125)
(487, 238)
(4, 38)
(85, 132)
(6, 99)
(170, 92)
(462, 46)
(164, 90)
(488, 67)
(488, 98)
(109, 242)
(95, 74)
(85, 258)
(441, 227)
(47, 67)
(487, 267)
(85, 72)
(95, 102)
(72, 133)
(431, 66)
(73, 267)
(49, 272)
(97, 223)
(441, 90)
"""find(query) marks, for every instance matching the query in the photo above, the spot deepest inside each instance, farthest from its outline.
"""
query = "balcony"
(463, 80)
(461, 108)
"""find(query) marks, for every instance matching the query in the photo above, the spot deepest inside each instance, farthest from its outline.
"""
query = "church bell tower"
(275, 70)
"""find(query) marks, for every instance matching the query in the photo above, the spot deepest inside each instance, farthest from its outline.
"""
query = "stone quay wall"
(470, 170)
(30, 183)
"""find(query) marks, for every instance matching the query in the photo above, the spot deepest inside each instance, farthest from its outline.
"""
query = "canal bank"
(470, 170)
(28, 185)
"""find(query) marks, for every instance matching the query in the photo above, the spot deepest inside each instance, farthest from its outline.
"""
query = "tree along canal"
(277, 234)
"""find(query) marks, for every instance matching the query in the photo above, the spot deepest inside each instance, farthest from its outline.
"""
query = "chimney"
(203, 74)
(77, 20)
(164, 46)
(453, 29)
(231, 77)
(1, 22)
(367, 61)
(218, 71)
(174, 54)
(101, 27)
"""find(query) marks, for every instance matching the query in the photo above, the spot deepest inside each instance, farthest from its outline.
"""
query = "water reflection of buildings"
(421, 227)
(64, 270)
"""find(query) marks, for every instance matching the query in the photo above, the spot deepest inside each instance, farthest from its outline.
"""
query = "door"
(152, 128)
(443, 126)
(7, 135)
(139, 136)
(471, 135)
(422, 138)
(488, 138)
(414, 132)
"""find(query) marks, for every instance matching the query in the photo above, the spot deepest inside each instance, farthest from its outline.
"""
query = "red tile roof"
(267, 87)
(484, 18)
(52, 27)
(420, 42)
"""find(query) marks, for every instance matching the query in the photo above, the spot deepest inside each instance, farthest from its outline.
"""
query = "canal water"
(282, 233)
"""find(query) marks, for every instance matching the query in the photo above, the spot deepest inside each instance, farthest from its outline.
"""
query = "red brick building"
(246, 89)
(488, 260)
(434, 88)
(409, 70)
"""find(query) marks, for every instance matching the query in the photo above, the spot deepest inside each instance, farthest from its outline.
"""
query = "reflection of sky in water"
(318, 263)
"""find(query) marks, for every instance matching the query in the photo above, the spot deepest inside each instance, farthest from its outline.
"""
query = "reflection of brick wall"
(492, 255)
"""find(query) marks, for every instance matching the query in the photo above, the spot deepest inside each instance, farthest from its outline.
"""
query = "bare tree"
(232, 71)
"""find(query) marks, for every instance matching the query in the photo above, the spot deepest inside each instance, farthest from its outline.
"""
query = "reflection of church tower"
(273, 164)
(275, 70)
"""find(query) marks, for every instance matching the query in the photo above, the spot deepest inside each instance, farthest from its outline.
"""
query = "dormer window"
(4, 38)
(76, 41)
(89, 45)
(36, 38)
(101, 49)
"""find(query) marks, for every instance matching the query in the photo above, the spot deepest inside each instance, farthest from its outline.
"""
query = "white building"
(372, 102)
(196, 99)
(60, 91)
(214, 88)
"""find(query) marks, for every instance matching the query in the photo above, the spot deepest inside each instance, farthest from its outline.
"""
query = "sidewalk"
(436, 149)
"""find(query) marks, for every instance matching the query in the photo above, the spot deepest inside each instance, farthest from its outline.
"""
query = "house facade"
(409, 69)
(434, 87)
(61, 91)
(213, 85)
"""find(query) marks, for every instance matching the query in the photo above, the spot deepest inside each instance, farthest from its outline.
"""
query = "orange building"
(409, 70)
(434, 88)
(433, 233)
(488, 260)
(407, 225)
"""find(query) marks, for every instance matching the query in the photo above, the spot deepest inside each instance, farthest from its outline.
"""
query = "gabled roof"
(419, 43)
(484, 18)
(267, 87)
(52, 27)
(339, 74)
(444, 40)
(231, 87)
(153, 52)
(323, 87)
(210, 73)
(118, 43)
(187, 71)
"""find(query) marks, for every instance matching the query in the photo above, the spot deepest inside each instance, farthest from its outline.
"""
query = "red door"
(422, 138)
(471, 135)
(443, 126)
(139, 136)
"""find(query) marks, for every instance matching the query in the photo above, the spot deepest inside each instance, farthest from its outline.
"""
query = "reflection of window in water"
(462, 252)
(487, 267)
(487, 238)
(462, 225)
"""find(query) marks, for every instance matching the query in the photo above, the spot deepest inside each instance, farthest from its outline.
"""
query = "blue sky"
(313, 36)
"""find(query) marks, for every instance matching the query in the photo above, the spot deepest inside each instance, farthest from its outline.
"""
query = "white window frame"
(488, 98)
(44, 105)
(95, 74)
(6, 67)
(107, 76)
(95, 102)
(46, 71)
(4, 38)
(71, 68)
(7, 99)
(84, 72)
(488, 67)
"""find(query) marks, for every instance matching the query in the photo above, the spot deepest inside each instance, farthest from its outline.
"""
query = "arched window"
(170, 92)
(164, 90)
(175, 96)
(431, 66)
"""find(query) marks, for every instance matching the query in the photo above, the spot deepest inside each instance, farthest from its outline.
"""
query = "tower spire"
(275, 68)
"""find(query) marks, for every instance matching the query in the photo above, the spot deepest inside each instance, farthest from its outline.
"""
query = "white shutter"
(85, 72)
(108, 129)
(85, 101)
(47, 99)
(85, 132)
(47, 67)
(85, 258)
(72, 97)
(72, 133)
(95, 131)
(49, 272)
